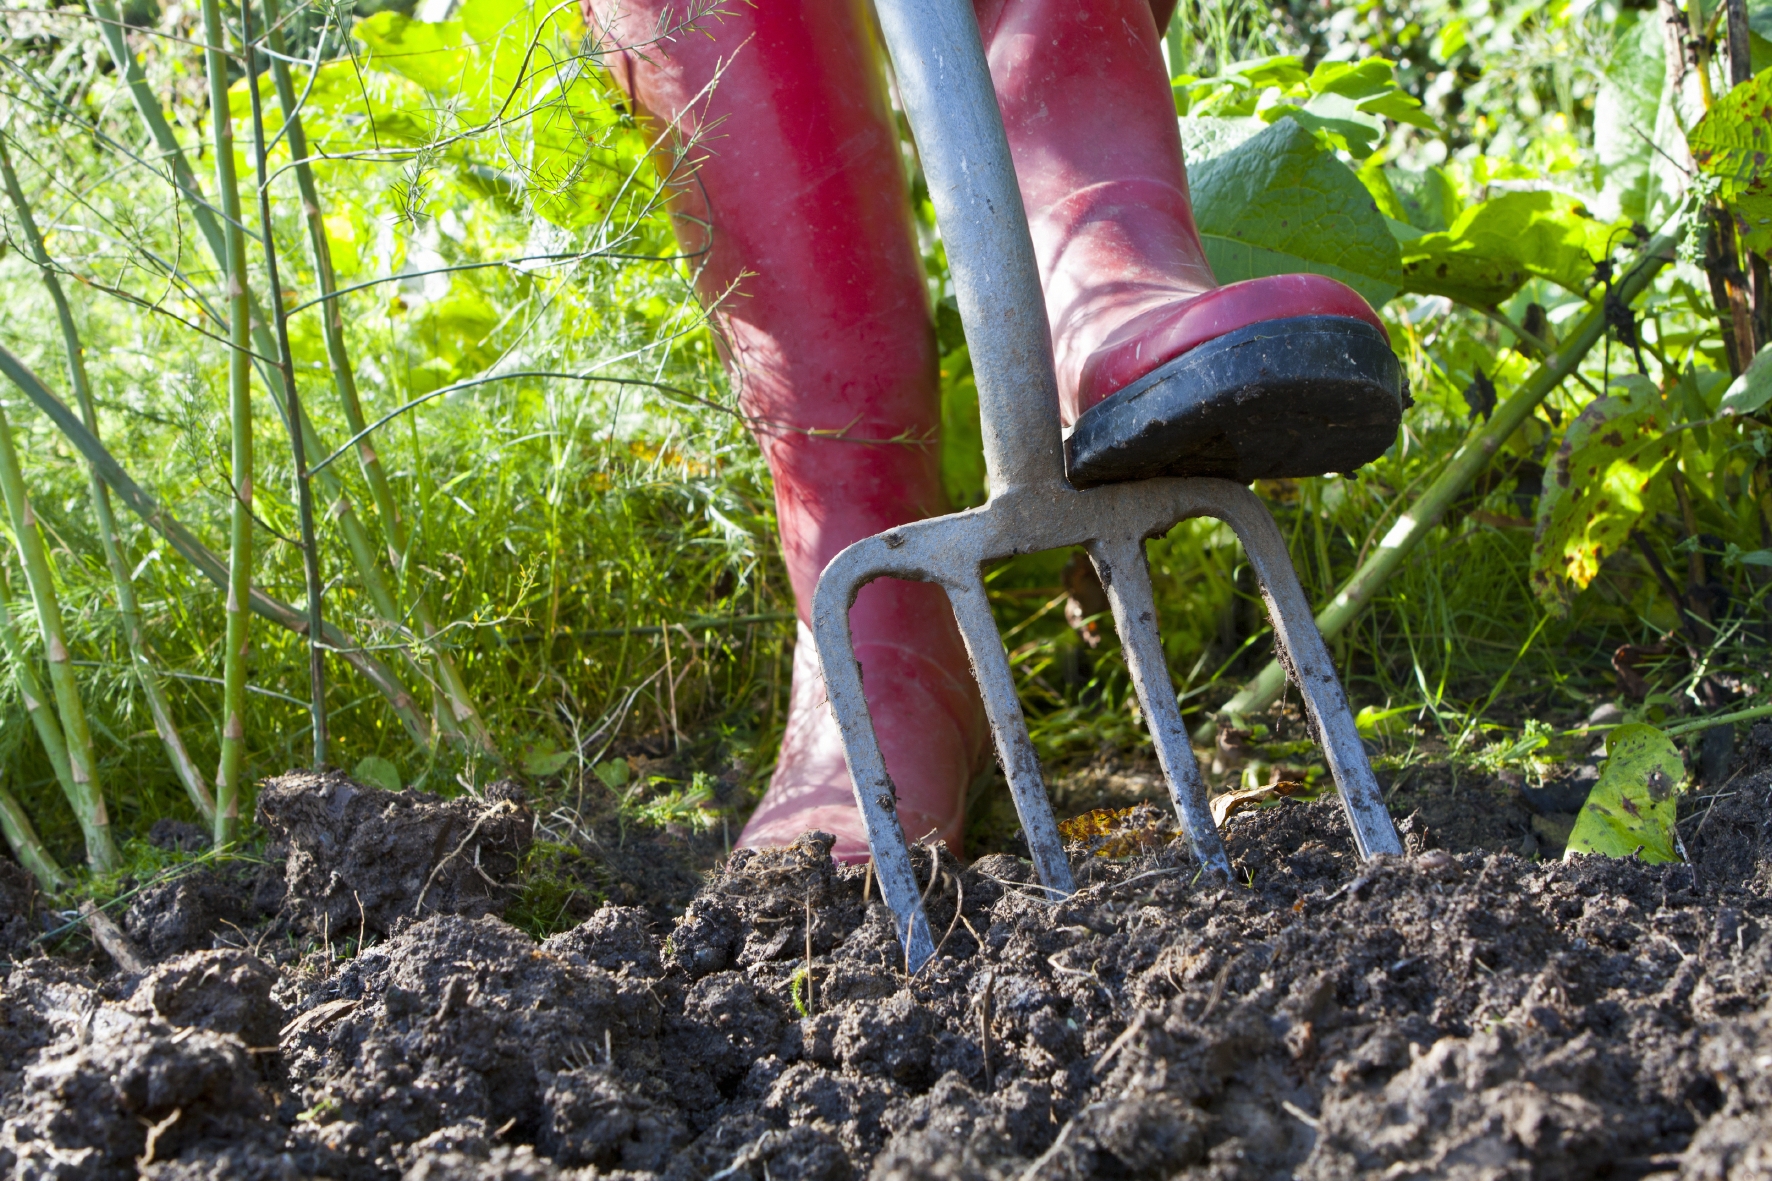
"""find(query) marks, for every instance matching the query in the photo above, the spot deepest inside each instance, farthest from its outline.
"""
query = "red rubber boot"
(825, 323)
(1162, 371)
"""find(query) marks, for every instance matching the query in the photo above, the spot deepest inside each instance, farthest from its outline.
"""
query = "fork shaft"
(948, 98)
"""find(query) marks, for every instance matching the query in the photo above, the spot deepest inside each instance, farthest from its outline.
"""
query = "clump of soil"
(1458, 1011)
(362, 859)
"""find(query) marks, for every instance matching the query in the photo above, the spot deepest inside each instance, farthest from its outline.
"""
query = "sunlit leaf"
(1279, 204)
(1597, 490)
(1633, 806)
(1751, 391)
(1733, 143)
(1492, 249)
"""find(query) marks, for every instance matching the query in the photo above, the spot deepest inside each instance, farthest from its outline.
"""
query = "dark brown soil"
(1463, 1011)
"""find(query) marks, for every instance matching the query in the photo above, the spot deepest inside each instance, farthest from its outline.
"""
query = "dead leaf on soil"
(1232, 802)
(1120, 832)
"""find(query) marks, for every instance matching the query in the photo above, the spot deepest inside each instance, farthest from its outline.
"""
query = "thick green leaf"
(1597, 489)
(1203, 137)
(1753, 389)
(1631, 810)
(1404, 108)
(429, 53)
(1733, 142)
(1279, 204)
(375, 771)
(1490, 251)
(1361, 79)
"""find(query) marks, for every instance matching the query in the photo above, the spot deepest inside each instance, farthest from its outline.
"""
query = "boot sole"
(1284, 398)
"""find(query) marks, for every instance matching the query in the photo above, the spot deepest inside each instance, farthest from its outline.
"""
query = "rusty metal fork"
(945, 86)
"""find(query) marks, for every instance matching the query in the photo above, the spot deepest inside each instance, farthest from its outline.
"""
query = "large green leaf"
(430, 53)
(1631, 810)
(1733, 143)
(1597, 488)
(1753, 389)
(1490, 250)
(1279, 204)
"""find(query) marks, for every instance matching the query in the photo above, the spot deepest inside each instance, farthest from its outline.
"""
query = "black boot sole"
(1284, 398)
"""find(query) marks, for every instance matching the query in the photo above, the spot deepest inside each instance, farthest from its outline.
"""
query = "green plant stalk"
(207, 562)
(461, 703)
(239, 627)
(357, 540)
(146, 677)
(49, 731)
(1357, 593)
(84, 792)
(304, 490)
(22, 837)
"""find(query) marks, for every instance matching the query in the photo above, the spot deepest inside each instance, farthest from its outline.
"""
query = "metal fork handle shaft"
(945, 85)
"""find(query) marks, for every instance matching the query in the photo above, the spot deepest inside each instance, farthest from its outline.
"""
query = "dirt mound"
(129, 1088)
(224, 991)
(457, 1029)
(1446, 1013)
(362, 859)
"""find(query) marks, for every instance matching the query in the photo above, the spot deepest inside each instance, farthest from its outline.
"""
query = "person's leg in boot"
(798, 197)
(1288, 375)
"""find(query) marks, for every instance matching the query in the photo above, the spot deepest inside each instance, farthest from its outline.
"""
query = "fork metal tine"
(1021, 766)
(1125, 576)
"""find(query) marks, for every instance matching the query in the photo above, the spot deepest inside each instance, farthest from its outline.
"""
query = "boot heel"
(1295, 397)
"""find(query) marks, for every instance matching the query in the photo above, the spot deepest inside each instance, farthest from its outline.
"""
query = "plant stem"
(460, 701)
(304, 491)
(207, 562)
(24, 672)
(357, 540)
(239, 627)
(83, 790)
(149, 681)
(22, 837)
(1357, 593)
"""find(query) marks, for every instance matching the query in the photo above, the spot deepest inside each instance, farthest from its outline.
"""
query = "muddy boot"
(798, 199)
(1160, 370)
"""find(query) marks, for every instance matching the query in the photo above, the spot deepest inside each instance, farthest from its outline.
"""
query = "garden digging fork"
(945, 87)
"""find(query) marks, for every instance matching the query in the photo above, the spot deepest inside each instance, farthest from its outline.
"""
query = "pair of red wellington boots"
(791, 196)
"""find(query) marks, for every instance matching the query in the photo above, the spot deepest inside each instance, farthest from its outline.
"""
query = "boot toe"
(1292, 397)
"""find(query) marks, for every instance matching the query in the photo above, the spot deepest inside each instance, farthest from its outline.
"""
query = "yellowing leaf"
(1632, 809)
(1597, 491)
(1733, 142)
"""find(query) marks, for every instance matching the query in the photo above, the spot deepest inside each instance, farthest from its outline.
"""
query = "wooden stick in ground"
(1357, 593)
(344, 380)
(239, 625)
(196, 786)
(83, 789)
(22, 839)
(304, 488)
(110, 937)
(207, 562)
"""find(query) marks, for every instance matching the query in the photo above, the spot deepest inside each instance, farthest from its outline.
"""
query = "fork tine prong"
(990, 665)
(1125, 576)
(875, 794)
